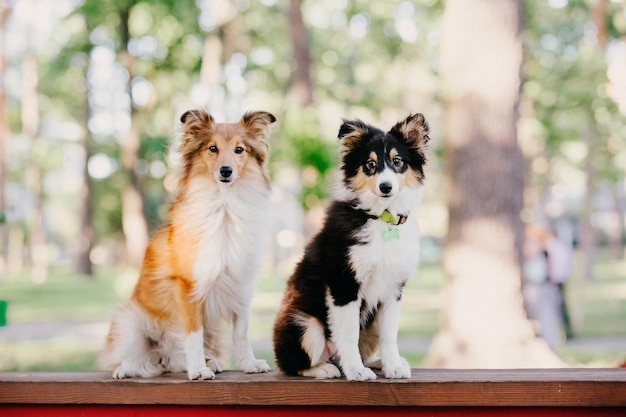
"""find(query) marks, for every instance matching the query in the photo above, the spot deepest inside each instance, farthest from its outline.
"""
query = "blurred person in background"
(548, 264)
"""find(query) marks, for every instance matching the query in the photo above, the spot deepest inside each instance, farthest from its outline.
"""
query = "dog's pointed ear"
(258, 124)
(414, 130)
(352, 131)
(194, 117)
(193, 122)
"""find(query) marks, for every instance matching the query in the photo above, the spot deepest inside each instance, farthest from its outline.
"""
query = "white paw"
(256, 366)
(359, 373)
(214, 365)
(118, 373)
(323, 371)
(148, 370)
(201, 374)
(400, 370)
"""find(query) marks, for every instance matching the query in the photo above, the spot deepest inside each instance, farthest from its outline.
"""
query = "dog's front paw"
(200, 374)
(214, 365)
(359, 373)
(400, 370)
(256, 366)
(118, 373)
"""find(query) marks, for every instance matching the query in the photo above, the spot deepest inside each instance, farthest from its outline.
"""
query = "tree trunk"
(218, 47)
(134, 221)
(34, 177)
(211, 60)
(619, 204)
(600, 22)
(5, 11)
(301, 85)
(587, 233)
(484, 323)
(83, 255)
(587, 230)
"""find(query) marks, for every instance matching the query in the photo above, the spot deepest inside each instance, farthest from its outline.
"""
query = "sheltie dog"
(342, 304)
(199, 267)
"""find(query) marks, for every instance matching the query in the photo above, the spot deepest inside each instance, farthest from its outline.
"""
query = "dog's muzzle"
(226, 172)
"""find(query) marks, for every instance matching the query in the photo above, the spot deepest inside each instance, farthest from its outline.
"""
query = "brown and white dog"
(342, 304)
(200, 266)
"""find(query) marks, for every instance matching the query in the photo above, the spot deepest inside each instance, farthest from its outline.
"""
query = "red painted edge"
(9, 410)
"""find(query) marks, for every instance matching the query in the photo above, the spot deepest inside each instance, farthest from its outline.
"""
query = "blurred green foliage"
(312, 154)
(374, 60)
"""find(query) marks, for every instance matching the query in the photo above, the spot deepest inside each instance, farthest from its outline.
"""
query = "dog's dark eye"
(238, 149)
(213, 148)
(370, 164)
(397, 162)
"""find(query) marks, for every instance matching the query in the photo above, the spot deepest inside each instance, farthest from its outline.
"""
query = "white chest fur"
(230, 225)
(387, 259)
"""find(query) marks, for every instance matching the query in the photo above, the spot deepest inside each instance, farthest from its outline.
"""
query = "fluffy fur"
(342, 304)
(199, 267)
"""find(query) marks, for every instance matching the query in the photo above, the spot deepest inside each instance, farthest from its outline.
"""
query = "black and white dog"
(342, 304)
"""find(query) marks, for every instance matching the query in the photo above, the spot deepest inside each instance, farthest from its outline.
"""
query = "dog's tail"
(313, 340)
(131, 347)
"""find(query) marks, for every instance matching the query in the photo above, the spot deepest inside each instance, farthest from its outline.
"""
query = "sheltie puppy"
(342, 304)
(199, 268)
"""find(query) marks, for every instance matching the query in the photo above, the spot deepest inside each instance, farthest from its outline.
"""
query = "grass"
(597, 307)
(66, 354)
(64, 296)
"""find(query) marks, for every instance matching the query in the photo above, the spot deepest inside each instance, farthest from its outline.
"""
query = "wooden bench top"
(577, 387)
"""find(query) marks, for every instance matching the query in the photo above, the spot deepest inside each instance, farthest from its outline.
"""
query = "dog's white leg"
(393, 365)
(213, 347)
(194, 352)
(344, 327)
(243, 351)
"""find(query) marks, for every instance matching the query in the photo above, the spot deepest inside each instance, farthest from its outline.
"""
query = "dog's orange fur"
(167, 289)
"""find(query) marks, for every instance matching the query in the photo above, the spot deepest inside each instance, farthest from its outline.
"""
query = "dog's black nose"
(385, 187)
(226, 171)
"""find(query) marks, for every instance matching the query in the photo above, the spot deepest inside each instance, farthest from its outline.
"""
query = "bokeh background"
(91, 93)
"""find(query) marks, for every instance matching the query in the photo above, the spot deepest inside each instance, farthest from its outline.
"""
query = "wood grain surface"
(426, 388)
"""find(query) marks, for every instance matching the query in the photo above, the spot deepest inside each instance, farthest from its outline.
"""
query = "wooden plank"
(426, 388)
